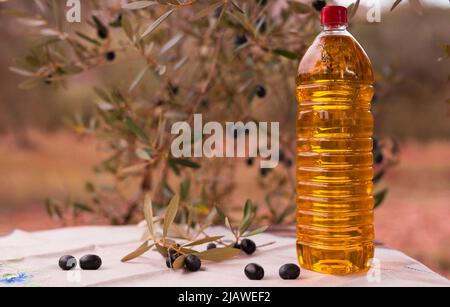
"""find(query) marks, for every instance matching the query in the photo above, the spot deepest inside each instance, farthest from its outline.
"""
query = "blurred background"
(40, 157)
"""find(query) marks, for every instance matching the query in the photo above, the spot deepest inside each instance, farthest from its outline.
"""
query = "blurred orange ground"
(414, 218)
(57, 164)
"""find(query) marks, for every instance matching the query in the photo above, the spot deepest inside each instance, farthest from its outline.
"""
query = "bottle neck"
(334, 28)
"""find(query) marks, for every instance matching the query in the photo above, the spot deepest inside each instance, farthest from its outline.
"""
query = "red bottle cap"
(334, 15)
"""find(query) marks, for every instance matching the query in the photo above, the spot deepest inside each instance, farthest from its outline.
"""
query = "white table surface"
(31, 259)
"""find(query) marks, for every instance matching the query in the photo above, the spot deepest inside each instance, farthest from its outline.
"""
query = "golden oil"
(335, 232)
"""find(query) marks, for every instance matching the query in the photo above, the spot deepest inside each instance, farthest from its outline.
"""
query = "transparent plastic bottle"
(335, 233)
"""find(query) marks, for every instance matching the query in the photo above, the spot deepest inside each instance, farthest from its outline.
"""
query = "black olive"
(110, 56)
(102, 30)
(240, 40)
(264, 171)
(319, 4)
(289, 271)
(117, 22)
(261, 91)
(261, 2)
(90, 262)
(67, 262)
(254, 271)
(288, 163)
(248, 246)
(192, 263)
(211, 246)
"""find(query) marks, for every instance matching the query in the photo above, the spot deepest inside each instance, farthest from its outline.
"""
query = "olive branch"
(165, 244)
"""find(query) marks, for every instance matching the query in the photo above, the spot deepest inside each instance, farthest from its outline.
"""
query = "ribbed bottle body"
(335, 231)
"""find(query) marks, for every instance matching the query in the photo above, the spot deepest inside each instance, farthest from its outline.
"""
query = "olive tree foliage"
(174, 58)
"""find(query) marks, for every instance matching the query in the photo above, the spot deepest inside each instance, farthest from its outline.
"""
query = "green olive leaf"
(138, 252)
(138, 78)
(237, 7)
(203, 241)
(137, 5)
(179, 262)
(142, 154)
(255, 232)
(156, 23)
(219, 254)
(128, 28)
(162, 250)
(188, 251)
(353, 8)
(248, 208)
(379, 197)
(286, 53)
(82, 207)
(136, 129)
(299, 7)
(148, 213)
(171, 213)
(227, 223)
(378, 176)
(210, 218)
(206, 11)
(247, 217)
(396, 3)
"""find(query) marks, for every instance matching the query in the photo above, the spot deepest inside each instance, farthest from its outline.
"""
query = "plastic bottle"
(335, 233)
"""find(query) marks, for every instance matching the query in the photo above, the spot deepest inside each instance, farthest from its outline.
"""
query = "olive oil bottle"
(335, 232)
